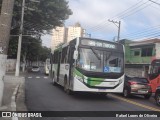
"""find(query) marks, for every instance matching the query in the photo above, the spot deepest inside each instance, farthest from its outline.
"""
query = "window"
(136, 53)
(55, 59)
(146, 52)
(64, 55)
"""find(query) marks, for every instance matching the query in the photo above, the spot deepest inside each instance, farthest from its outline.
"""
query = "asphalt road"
(41, 95)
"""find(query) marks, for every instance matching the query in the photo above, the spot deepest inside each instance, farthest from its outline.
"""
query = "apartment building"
(75, 31)
(64, 35)
(59, 36)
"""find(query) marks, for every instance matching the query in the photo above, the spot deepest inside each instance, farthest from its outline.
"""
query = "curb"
(13, 100)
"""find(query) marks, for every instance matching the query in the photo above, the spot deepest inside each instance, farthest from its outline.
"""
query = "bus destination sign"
(98, 44)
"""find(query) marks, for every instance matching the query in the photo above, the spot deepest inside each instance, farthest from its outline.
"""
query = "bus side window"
(55, 58)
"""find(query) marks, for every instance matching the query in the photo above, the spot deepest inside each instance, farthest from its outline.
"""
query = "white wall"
(2, 73)
(11, 65)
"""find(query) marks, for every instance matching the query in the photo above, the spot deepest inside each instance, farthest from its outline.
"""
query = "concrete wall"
(138, 72)
(2, 73)
(11, 65)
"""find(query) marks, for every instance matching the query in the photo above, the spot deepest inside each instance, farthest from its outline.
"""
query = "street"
(41, 95)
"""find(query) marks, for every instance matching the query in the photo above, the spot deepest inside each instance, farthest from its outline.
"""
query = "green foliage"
(38, 17)
(44, 15)
(45, 53)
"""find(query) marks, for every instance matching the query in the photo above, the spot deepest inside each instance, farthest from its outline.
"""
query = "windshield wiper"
(93, 50)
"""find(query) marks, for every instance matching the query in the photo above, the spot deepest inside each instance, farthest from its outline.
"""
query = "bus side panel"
(64, 70)
(55, 67)
(155, 83)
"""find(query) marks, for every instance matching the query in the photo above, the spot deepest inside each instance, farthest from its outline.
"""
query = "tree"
(44, 15)
(45, 53)
(38, 18)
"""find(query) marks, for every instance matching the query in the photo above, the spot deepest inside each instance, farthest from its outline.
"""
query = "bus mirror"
(75, 55)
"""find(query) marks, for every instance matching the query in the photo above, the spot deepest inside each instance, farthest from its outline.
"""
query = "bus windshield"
(94, 60)
(155, 67)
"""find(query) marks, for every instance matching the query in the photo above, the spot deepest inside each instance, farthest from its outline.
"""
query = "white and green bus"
(89, 65)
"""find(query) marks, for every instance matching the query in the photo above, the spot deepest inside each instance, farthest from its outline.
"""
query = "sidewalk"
(14, 94)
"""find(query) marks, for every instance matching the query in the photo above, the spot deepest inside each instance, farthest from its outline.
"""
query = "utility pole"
(5, 26)
(20, 41)
(20, 37)
(119, 27)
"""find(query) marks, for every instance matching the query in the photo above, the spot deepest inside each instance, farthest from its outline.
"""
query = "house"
(139, 54)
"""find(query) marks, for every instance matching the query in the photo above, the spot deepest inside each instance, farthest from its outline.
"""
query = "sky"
(140, 19)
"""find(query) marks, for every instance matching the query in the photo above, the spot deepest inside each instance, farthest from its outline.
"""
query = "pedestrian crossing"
(37, 77)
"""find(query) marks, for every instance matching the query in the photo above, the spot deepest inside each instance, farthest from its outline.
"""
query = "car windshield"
(139, 80)
(100, 61)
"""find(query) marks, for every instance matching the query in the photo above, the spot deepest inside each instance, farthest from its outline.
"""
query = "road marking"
(135, 103)
(45, 77)
(37, 77)
(29, 77)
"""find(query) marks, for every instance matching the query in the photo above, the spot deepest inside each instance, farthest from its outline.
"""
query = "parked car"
(137, 86)
(157, 96)
(35, 69)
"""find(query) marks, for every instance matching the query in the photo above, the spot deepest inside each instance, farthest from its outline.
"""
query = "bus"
(46, 66)
(89, 65)
(154, 74)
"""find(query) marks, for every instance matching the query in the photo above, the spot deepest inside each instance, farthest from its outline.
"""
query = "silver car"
(35, 69)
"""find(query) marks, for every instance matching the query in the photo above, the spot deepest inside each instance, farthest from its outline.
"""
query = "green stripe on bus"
(90, 81)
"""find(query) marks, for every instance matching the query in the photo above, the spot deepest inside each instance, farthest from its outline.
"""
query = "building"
(63, 35)
(59, 37)
(139, 54)
(75, 31)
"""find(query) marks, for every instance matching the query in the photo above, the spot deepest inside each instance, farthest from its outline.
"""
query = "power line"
(132, 11)
(103, 20)
(154, 2)
(122, 14)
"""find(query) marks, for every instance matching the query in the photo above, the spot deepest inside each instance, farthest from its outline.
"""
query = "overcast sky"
(139, 18)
